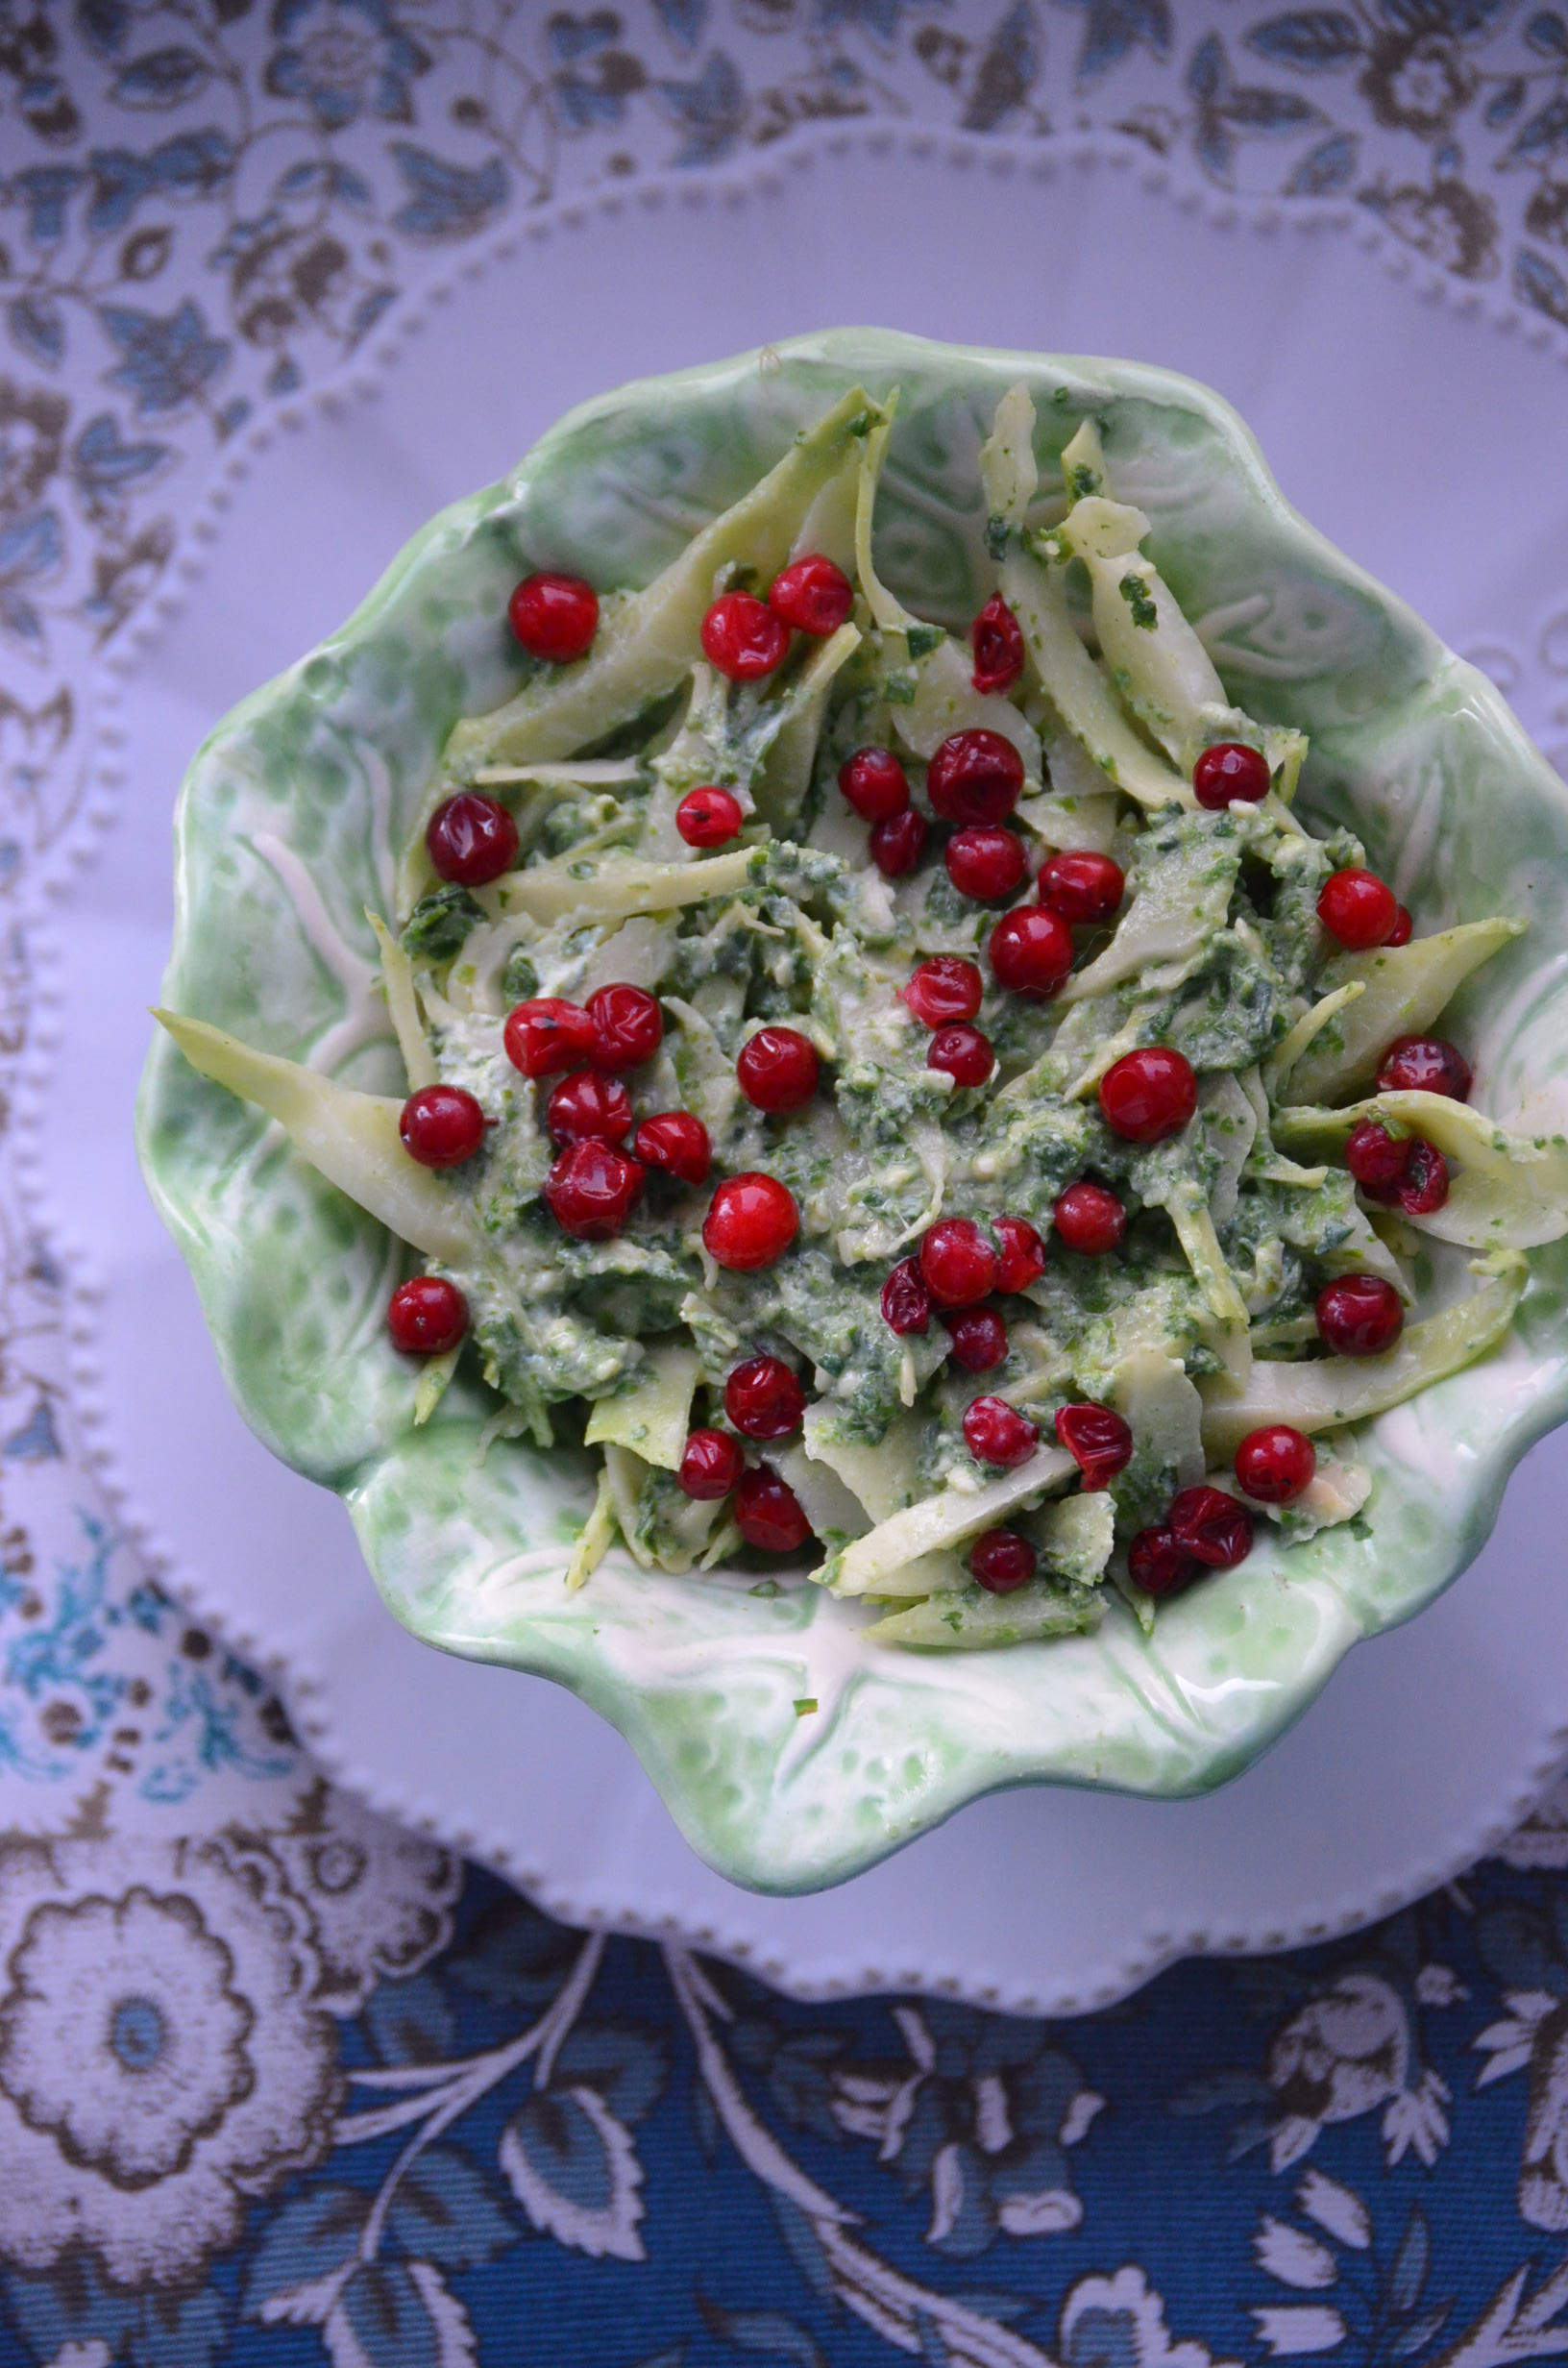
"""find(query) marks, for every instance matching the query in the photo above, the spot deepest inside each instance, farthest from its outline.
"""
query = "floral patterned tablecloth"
(279, 2081)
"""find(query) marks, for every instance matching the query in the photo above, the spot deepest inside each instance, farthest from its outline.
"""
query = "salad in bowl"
(872, 1065)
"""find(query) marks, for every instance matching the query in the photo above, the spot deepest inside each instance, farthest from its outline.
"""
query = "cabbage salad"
(915, 1096)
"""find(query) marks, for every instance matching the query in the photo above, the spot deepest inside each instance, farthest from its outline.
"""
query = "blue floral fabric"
(281, 2082)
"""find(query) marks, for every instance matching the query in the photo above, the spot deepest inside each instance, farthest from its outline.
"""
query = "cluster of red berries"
(1208, 1529)
(1407, 1173)
(595, 1183)
(763, 1400)
(1204, 1528)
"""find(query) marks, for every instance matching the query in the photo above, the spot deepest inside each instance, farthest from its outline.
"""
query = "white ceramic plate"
(1366, 396)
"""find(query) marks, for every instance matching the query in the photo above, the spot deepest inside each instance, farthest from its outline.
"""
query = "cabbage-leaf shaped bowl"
(289, 827)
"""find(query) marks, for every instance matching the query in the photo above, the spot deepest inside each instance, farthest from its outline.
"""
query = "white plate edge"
(41, 916)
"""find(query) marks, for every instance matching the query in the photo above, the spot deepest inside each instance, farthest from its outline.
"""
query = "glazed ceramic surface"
(289, 823)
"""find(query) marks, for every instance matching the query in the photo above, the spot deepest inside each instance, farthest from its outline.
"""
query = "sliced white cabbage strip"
(1404, 989)
(1333, 1390)
(949, 1518)
(654, 1417)
(1509, 1191)
(973, 1619)
(350, 1138)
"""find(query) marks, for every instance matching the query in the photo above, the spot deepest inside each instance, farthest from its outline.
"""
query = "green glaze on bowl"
(287, 827)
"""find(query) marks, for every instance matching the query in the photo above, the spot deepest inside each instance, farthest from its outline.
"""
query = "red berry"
(1159, 1566)
(1360, 1316)
(1149, 1093)
(812, 595)
(1211, 1526)
(1375, 1158)
(441, 1125)
(1275, 1463)
(875, 784)
(1229, 770)
(587, 1107)
(1098, 1440)
(763, 1398)
(975, 776)
(1031, 950)
(979, 1339)
(1082, 886)
(710, 1464)
(897, 844)
(767, 1511)
(942, 989)
(427, 1315)
(906, 1302)
(1358, 908)
(1425, 1065)
(986, 861)
(471, 839)
(555, 617)
(778, 1068)
(1423, 1188)
(996, 639)
(958, 1265)
(1001, 1562)
(997, 1433)
(708, 816)
(742, 637)
(592, 1189)
(677, 1142)
(548, 1035)
(963, 1053)
(751, 1221)
(629, 1026)
(1403, 930)
(1088, 1218)
(1022, 1253)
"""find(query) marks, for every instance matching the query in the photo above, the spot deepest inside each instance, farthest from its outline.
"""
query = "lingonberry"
(1031, 950)
(1090, 1219)
(812, 595)
(708, 816)
(763, 1398)
(555, 617)
(1081, 885)
(943, 988)
(1099, 1441)
(427, 1315)
(963, 1053)
(875, 784)
(744, 637)
(471, 839)
(1275, 1463)
(587, 1106)
(769, 1514)
(629, 1026)
(677, 1142)
(997, 1433)
(547, 1035)
(1360, 1316)
(711, 1463)
(778, 1068)
(592, 1189)
(975, 776)
(751, 1221)
(1149, 1093)
(1227, 771)
(957, 1263)
(996, 639)
(441, 1125)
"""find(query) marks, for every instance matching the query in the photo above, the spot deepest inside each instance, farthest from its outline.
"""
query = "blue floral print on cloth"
(279, 2082)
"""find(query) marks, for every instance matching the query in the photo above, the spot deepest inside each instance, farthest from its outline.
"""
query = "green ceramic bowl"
(288, 826)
